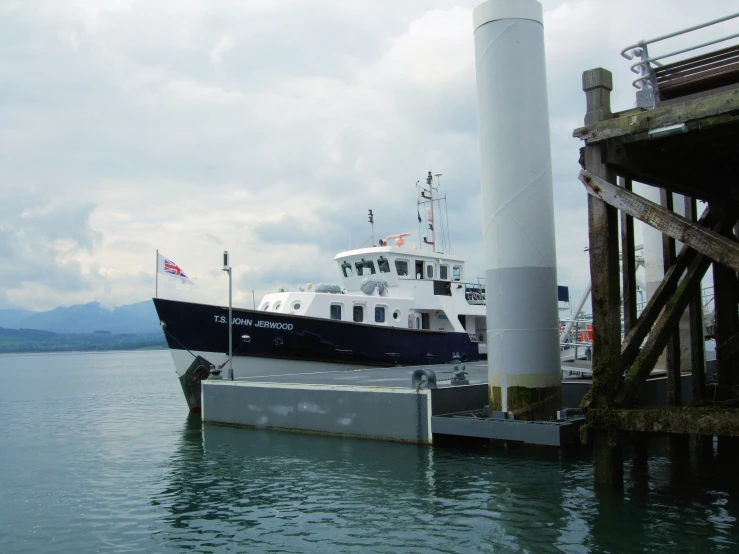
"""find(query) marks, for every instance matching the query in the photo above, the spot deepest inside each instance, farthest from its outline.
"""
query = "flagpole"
(156, 273)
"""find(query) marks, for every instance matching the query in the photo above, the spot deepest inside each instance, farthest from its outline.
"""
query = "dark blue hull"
(201, 327)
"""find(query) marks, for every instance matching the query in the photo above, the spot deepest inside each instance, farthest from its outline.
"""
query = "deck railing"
(656, 78)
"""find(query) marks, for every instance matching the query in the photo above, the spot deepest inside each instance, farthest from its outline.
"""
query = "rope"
(164, 328)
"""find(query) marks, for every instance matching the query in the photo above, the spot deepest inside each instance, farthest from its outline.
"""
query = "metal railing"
(578, 342)
(646, 84)
(474, 293)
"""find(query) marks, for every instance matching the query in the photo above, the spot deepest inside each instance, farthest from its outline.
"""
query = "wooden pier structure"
(689, 145)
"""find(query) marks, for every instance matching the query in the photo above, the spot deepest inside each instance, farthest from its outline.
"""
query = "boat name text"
(259, 323)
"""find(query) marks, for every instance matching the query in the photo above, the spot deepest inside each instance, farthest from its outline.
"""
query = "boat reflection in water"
(236, 489)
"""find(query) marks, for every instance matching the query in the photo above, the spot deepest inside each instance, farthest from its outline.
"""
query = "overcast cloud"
(267, 128)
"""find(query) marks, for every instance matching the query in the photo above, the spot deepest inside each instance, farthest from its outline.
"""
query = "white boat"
(394, 305)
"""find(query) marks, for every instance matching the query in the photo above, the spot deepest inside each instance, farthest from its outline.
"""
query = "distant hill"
(138, 318)
(10, 319)
(34, 340)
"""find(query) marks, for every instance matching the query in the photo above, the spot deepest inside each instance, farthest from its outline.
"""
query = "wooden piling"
(604, 275)
(697, 332)
(628, 262)
(672, 351)
(725, 290)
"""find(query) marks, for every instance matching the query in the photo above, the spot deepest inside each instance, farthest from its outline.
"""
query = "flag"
(168, 267)
(419, 217)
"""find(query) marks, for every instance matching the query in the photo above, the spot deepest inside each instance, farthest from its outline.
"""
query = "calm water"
(99, 455)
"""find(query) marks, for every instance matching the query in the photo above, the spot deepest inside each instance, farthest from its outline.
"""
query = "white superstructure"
(396, 286)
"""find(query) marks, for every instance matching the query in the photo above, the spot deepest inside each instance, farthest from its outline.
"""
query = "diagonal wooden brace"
(636, 335)
(666, 324)
(709, 243)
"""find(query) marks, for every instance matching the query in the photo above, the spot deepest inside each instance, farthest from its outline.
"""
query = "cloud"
(219, 50)
(267, 128)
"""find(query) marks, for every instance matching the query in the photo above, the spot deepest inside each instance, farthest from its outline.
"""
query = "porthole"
(396, 315)
(296, 306)
(277, 306)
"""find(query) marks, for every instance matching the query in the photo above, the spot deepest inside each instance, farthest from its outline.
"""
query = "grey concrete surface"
(397, 414)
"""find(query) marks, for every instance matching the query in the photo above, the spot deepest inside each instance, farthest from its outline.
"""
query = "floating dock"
(409, 404)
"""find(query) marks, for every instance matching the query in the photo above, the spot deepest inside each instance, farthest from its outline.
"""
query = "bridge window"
(429, 271)
(457, 273)
(365, 267)
(379, 314)
(401, 266)
(358, 314)
(444, 272)
(384, 265)
(335, 311)
(346, 267)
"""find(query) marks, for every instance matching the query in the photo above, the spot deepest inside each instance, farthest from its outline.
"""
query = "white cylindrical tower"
(524, 371)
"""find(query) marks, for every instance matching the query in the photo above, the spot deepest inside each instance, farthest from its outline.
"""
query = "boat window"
(401, 266)
(358, 314)
(444, 272)
(346, 267)
(380, 314)
(429, 271)
(457, 273)
(383, 265)
(419, 270)
(396, 315)
(365, 267)
(335, 311)
(277, 306)
(296, 306)
(265, 306)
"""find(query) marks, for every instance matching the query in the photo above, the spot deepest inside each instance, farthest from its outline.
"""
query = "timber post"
(628, 262)
(727, 320)
(672, 353)
(604, 275)
(697, 332)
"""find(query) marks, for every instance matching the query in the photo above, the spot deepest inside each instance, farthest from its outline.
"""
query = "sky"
(267, 128)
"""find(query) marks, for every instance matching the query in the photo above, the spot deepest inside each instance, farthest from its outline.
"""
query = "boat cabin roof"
(401, 252)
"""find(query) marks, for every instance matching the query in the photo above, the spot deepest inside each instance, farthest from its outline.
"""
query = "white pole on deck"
(156, 273)
(227, 269)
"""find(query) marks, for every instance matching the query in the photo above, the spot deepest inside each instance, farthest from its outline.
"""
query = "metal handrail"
(663, 56)
(644, 65)
(642, 43)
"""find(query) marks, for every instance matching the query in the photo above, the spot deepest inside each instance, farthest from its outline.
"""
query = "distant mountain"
(138, 318)
(10, 319)
(34, 340)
